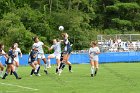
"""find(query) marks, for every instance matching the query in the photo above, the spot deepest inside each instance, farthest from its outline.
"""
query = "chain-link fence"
(119, 42)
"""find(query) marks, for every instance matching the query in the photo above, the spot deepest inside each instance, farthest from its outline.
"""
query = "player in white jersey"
(57, 53)
(40, 55)
(2, 53)
(16, 59)
(93, 54)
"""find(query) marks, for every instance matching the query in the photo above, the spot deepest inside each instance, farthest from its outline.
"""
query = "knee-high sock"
(62, 65)
(11, 72)
(45, 66)
(92, 70)
(38, 69)
(48, 62)
(70, 67)
(96, 70)
(6, 74)
(37, 66)
(56, 69)
(15, 74)
(32, 71)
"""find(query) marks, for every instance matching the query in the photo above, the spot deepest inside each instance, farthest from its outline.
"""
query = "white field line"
(19, 86)
(11, 91)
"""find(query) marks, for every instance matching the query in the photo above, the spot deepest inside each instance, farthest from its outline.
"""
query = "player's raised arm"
(49, 48)
(20, 53)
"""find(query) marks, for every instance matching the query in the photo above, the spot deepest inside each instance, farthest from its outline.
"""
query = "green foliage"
(128, 6)
(112, 31)
(19, 35)
(112, 8)
(83, 20)
(121, 22)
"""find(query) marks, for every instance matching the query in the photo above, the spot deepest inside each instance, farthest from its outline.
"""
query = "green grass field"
(111, 78)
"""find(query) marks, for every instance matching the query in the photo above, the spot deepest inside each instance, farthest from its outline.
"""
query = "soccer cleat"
(46, 71)
(18, 78)
(92, 75)
(35, 72)
(60, 71)
(59, 74)
(3, 78)
(38, 74)
(70, 71)
(31, 75)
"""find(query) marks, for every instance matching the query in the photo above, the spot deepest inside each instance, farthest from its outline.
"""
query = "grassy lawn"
(111, 78)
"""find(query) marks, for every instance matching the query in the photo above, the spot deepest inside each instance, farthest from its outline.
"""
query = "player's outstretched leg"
(61, 67)
(36, 72)
(2, 69)
(5, 75)
(96, 67)
(48, 63)
(45, 65)
(32, 72)
(70, 66)
(92, 71)
(96, 70)
(16, 75)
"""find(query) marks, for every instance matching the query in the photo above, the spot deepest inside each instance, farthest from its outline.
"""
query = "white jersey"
(39, 46)
(16, 53)
(57, 48)
(93, 53)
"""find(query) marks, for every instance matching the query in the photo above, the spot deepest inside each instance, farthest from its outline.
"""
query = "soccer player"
(16, 59)
(57, 53)
(40, 55)
(2, 53)
(32, 61)
(93, 54)
(9, 61)
(66, 53)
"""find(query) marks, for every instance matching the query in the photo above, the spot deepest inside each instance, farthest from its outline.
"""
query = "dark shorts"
(9, 61)
(65, 53)
(68, 51)
(30, 61)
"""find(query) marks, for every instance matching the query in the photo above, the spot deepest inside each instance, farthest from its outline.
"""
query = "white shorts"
(56, 55)
(40, 56)
(95, 58)
(16, 59)
(0, 58)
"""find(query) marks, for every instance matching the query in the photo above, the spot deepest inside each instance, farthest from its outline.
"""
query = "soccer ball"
(61, 28)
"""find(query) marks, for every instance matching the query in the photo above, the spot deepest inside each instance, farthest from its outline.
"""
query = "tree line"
(83, 20)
